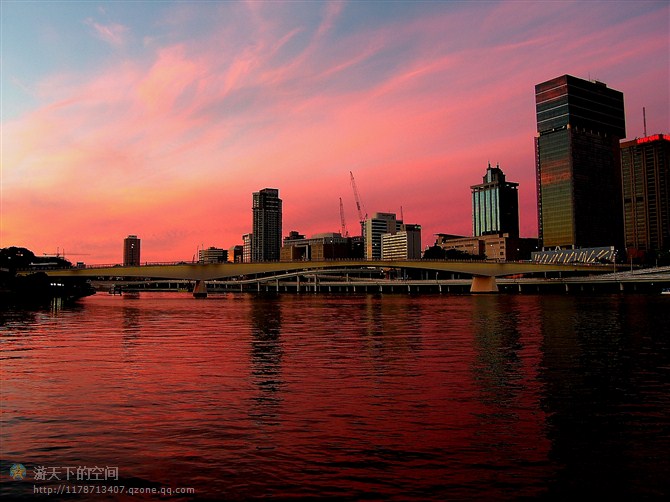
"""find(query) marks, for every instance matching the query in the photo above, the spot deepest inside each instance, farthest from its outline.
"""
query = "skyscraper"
(267, 223)
(373, 229)
(131, 251)
(578, 163)
(645, 176)
(495, 205)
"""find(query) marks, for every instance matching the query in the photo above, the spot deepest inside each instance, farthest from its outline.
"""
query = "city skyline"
(160, 119)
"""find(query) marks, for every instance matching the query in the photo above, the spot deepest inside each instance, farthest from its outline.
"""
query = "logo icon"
(17, 472)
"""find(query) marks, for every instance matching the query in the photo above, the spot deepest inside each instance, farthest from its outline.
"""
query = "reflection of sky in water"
(495, 396)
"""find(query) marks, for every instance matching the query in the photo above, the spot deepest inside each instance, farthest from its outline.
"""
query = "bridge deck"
(206, 272)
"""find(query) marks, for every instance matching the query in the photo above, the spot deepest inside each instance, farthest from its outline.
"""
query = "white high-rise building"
(373, 229)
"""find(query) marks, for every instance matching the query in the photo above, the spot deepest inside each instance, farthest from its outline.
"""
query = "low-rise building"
(324, 246)
(402, 245)
(235, 254)
(212, 255)
(603, 254)
(493, 247)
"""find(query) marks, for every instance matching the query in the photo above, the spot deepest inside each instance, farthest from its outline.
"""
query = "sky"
(160, 119)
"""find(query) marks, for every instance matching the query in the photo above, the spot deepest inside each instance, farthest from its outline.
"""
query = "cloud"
(169, 144)
(113, 33)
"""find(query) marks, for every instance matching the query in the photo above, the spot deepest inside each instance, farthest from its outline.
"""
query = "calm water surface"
(356, 397)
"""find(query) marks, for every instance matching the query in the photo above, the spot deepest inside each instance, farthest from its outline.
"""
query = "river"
(393, 397)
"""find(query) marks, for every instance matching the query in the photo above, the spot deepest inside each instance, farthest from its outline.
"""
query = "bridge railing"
(112, 266)
(145, 264)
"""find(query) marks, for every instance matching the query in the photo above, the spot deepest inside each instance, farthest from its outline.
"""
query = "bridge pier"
(483, 284)
(200, 289)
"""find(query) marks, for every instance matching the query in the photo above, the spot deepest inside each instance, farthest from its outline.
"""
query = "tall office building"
(373, 229)
(267, 222)
(578, 161)
(495, 205)
(645, 176)
(131, 251)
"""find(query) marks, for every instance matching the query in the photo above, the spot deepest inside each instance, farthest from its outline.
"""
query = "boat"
(665, 291)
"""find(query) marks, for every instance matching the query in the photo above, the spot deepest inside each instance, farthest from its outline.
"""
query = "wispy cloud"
(173, 141)
(112, 33)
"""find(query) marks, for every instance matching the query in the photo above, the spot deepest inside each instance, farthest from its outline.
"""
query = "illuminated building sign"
(649, 139)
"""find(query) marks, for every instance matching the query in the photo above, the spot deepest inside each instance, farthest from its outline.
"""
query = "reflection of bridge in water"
(483, 274)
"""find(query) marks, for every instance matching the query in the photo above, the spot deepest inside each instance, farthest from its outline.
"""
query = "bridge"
(483, 273)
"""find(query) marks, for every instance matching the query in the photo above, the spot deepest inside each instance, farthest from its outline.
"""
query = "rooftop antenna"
(644, 120)
(402, 217)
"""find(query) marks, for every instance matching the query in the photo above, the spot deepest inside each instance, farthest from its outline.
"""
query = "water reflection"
(355, 397)
(266, 358)
(391, 328)
(592, 398)
(497, 369)
(504, 369)
(131, 322)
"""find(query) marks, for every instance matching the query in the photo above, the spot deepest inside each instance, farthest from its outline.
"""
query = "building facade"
(323, 246)
(131, 251)
(584, 255)
(373, 229)
(645, 183)
(267, 225)
(236, 254)
(247, 241)
(212, 255)
(402, 245)
(495, 205)
(499, 247)
(579, 125)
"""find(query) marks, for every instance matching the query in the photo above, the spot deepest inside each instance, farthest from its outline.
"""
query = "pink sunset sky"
(160, 119)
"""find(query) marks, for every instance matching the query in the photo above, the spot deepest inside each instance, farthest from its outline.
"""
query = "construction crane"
(361, 218)
(60, 253)
(345, 232)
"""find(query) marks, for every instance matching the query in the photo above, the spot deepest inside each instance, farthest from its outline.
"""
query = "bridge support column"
(200, 289)
(483, 284)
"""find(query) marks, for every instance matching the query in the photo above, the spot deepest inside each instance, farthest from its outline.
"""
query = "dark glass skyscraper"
(495, 205)
(645, 175)
(578, 163)
(267, 225)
